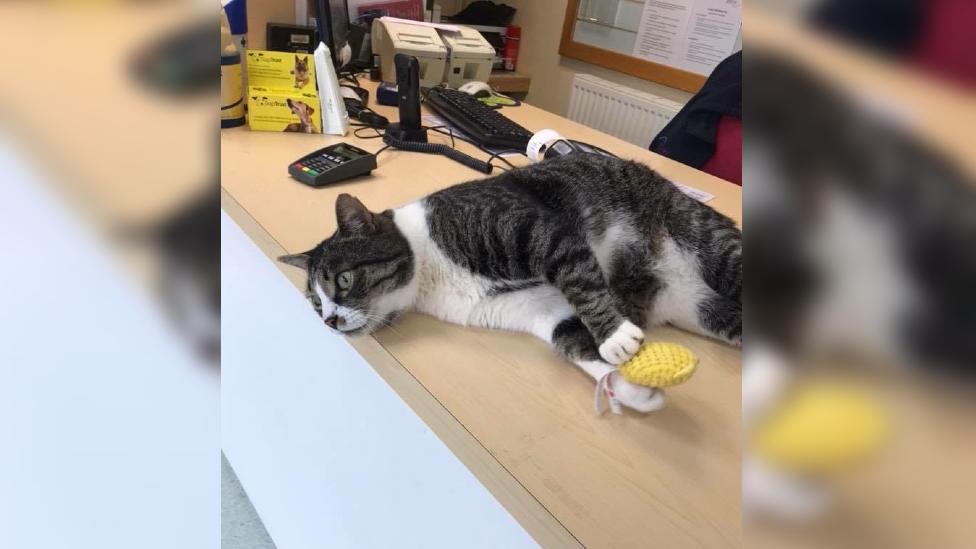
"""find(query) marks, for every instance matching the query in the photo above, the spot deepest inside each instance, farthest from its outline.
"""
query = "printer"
(470, 56)
(392, 37)
(445, 56)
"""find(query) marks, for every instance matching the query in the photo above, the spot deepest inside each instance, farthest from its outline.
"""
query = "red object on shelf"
(404, 9)
(513, 35)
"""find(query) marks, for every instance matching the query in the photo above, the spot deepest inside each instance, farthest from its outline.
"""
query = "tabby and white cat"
(583, 252)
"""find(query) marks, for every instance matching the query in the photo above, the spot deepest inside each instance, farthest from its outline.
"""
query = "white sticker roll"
(539, 142)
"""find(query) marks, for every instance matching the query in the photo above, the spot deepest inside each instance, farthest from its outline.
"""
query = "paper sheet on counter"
(697, 194)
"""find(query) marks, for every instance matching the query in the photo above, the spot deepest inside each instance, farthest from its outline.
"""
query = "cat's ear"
(352, 216)
(297, 260)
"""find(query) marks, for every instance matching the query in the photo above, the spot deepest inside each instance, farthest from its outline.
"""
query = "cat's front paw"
(637, 397)
(622, 344)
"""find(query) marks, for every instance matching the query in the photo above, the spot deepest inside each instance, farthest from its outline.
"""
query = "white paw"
(637, 397)
(622, 344)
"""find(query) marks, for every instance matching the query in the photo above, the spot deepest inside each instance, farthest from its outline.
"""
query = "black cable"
(367, 116)
(358, 111)
(498, 155)
(361, 127)
(494, 154)
(439, 148)
(350, 71)
(379, 120)
(451, 134)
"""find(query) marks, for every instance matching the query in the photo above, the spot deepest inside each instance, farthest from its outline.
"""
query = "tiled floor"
(240, 526)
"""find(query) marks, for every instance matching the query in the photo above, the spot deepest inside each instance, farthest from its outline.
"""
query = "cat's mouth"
(368, 326)
(360, 324)
(346, 328)
(360, 330)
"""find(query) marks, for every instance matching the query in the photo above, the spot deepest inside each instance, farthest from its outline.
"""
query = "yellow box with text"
(282, 110)
(279, 69)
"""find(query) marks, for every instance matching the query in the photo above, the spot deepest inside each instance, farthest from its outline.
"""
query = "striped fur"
(583, 252)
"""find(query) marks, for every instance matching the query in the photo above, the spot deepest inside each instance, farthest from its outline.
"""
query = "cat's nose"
(332, 321)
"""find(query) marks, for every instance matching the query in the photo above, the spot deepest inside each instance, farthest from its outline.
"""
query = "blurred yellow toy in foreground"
(821, 427)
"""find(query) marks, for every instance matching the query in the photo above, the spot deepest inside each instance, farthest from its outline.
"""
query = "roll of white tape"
(538, 142)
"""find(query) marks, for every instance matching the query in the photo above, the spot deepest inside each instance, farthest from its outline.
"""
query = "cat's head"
(359, 278)
(301, 64)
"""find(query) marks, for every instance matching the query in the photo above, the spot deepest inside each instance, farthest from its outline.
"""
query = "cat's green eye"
(344, 280)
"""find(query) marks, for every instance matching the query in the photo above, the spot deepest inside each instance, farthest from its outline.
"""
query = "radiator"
(623, 112)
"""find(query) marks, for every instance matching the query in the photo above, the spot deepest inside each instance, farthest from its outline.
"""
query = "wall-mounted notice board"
(673, 42)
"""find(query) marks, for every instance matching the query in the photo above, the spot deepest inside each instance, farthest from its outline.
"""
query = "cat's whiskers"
(382, 320)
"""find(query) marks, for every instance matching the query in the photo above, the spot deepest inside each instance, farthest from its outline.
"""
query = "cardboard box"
(283, 70)
(283, 110)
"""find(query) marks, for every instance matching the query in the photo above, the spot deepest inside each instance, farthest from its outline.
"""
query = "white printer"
(392, 37)
(454, 57)
(469, 57)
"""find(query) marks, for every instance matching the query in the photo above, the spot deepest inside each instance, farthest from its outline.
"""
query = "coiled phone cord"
(439, 148)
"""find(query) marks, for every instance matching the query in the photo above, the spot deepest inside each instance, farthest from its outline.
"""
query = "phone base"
(398, 132)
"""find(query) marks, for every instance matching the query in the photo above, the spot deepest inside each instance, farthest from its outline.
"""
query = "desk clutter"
(444, 66)
(298, 91)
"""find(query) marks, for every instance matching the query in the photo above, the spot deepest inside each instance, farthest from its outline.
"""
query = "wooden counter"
(519, 417)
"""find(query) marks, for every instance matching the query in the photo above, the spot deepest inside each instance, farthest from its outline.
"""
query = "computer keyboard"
(484, 125)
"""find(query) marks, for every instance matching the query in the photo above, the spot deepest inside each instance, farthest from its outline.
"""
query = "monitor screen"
(333, 23)
(339, 11)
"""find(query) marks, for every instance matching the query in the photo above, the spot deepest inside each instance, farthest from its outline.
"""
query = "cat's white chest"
(448, 291)
(443, 289)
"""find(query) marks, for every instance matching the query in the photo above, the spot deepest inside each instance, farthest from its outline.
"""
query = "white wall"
(329, 455)
(109, 426)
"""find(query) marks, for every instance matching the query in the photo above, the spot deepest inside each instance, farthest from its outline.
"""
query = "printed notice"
(662, 24)
(694, 35)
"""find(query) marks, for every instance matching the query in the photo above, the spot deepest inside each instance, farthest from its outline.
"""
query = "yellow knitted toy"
(660, 364)
(822, 427)
(655, 365)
